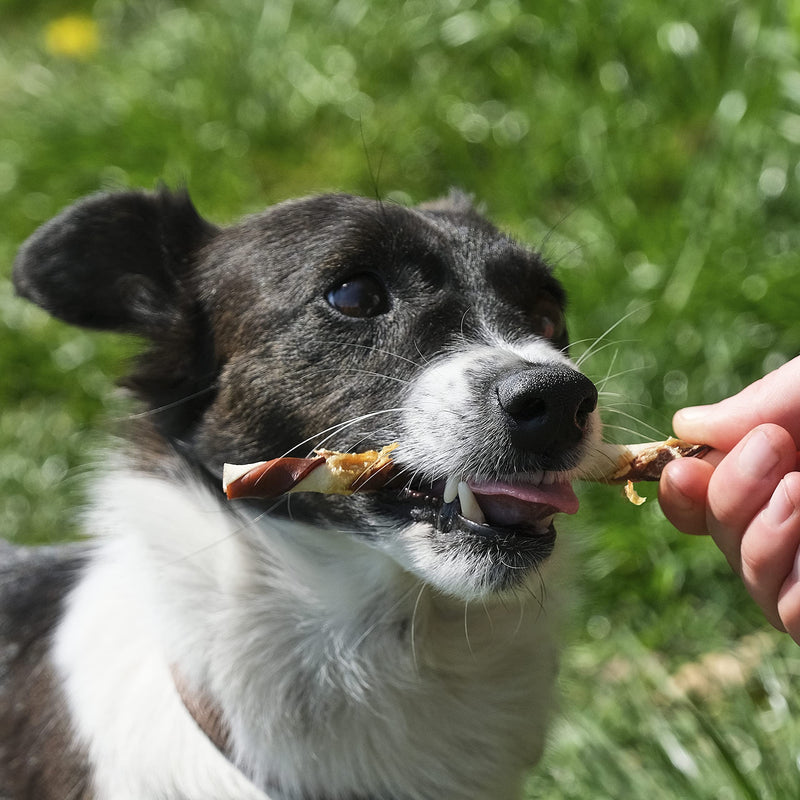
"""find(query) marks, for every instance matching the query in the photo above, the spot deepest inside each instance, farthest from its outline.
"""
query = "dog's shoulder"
(37, 757)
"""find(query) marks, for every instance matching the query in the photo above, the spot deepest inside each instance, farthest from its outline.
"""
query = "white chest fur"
(337, 670)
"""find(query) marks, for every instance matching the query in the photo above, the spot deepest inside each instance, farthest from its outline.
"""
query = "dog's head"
(346, 323)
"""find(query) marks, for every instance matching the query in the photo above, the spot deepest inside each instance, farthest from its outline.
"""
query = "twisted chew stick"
(328, 472)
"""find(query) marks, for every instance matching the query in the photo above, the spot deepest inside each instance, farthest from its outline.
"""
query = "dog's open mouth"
(488, 507)
(523, 505)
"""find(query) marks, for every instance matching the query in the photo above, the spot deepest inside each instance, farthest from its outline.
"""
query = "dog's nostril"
(546, 407)
(584, 411)
(523, 407)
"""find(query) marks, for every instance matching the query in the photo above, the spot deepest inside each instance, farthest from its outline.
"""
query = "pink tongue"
(505, 503)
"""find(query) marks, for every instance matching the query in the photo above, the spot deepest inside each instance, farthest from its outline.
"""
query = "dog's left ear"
(114, 261)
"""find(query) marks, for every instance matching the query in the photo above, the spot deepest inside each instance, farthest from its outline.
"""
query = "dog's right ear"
(114, 261)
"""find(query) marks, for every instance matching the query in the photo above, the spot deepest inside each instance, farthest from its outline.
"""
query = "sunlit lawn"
(649, 149)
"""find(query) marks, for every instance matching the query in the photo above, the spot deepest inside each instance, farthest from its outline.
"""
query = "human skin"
(746, 492)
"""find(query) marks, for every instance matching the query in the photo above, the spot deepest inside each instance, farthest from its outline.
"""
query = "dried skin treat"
(328, 472)
(621, 463)
(627, 463)
(632, 495)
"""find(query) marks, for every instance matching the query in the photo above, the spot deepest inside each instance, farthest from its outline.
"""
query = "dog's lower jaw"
(339, 673)
(473, 565)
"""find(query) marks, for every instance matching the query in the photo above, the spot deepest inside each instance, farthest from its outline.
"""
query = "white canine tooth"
(537, 477)
(450, 489)
(469, 504)
(546, 522)
(549, 478)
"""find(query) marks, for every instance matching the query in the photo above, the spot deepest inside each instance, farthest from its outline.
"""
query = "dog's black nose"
(547, 406)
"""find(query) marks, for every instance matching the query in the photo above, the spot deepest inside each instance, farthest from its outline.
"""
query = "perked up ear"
(114, 261)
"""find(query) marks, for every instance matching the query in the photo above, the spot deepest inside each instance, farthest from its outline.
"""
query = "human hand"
(746, 491)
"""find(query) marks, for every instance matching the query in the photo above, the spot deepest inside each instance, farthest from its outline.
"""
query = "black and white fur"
(384, 646)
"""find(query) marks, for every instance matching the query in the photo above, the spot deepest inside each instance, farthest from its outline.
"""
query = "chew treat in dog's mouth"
(529, 503)
(532, 498)
(328, 472)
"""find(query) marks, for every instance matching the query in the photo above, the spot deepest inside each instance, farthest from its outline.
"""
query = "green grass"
(649, 149)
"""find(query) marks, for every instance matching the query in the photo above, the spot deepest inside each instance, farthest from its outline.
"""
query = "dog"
(389, 645)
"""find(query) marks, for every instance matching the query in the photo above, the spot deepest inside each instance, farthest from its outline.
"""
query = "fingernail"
(780, 507)
(758, 456)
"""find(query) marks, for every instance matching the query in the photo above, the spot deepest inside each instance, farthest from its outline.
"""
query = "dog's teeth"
(450, 489)
(469, 504)
(537, 477)
(546, 522)
(549, 478)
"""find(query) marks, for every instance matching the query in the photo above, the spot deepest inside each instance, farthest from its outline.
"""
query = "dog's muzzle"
(526, 426)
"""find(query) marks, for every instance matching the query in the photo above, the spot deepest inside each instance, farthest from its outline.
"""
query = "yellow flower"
(73, 36)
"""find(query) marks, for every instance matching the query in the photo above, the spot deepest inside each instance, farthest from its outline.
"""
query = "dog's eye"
(360, 296)
(548, 319)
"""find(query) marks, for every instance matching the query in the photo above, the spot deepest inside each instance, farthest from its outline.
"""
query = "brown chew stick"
(646, 462)
(621, 463)
(329, 472)
(270, 478)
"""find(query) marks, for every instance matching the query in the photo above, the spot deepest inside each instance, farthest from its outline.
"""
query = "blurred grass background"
(649, 149)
